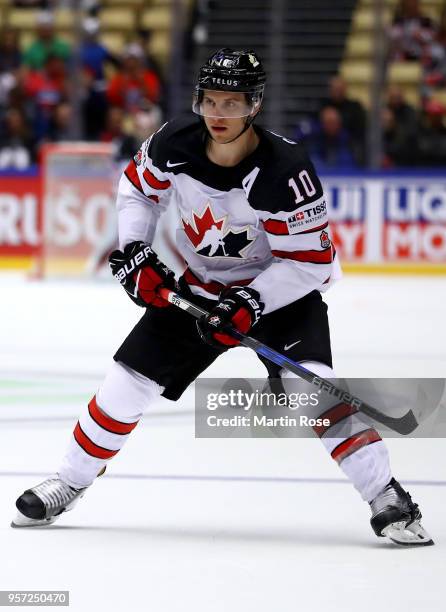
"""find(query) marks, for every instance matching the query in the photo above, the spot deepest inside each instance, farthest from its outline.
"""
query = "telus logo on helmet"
(229, 82)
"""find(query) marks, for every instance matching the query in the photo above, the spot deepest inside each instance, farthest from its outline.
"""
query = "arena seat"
(113, 41)
(117, 19)
(63, 19)
(159, 47)
(405, 73)
(356, 71)
(364, 19)
(157, 19)
(22, 18)
(359, 46)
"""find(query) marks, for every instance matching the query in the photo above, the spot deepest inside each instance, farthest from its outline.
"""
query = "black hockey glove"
(239, 307)
(141, 273)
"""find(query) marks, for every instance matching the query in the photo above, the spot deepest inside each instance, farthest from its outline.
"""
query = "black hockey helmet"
(231, 70)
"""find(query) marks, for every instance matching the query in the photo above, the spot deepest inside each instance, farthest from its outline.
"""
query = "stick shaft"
(403, 425)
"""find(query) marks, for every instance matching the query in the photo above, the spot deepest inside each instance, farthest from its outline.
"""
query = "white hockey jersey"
(262, 223)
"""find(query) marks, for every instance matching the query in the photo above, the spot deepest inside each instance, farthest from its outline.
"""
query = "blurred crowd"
(337, 139)
(120, 98)
(411, 136)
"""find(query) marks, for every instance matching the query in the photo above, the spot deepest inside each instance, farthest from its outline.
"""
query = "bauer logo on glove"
(133, 264)
(238, 307)
(142, 274)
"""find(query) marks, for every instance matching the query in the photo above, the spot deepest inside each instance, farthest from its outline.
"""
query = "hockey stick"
(403, 425)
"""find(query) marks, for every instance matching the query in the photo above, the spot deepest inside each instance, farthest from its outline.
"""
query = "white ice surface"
(209, 525)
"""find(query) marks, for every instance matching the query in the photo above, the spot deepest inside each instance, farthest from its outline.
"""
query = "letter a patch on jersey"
(212, 238)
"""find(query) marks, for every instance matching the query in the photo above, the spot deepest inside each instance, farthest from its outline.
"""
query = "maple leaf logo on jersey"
(211, 238)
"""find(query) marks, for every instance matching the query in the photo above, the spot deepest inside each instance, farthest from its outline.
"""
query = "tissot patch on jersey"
(305, 216)
(295, 222)
(325, 240)
(212, 237)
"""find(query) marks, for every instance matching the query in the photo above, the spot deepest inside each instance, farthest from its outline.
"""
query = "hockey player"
(254, 235)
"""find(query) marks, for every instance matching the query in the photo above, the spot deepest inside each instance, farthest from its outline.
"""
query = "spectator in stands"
(93, 54)
(92, 7)
(143, 38)
(399, 143)
(134, 83)
(16, 145)
(330, 145)
(352, 113)
(410, 32)
(432, 135)
(46, 44)
(124, 143)
(94, 57)
(434, 62)
(404, 113)
(46, 89)
(60, 126)
(10, 54)
(10, 60)
(17, 98)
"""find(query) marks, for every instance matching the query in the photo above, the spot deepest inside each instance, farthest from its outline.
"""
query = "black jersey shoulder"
(285, 162)
(175, 143)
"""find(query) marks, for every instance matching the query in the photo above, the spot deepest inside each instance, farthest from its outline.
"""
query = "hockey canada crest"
(212, 238)
(138, 158)
(325, 240)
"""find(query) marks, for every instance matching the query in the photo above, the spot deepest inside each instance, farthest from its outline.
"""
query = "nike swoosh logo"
(169, 164)
(288, 346)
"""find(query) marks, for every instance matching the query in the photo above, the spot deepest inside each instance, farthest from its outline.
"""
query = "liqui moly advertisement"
(388, 219)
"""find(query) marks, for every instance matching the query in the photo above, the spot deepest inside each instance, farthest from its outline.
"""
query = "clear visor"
(225, 104)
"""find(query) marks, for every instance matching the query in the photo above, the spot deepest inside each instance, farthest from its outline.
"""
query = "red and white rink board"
(380, 223)
(385, 220)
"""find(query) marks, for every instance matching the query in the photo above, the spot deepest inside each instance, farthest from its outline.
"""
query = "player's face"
(224, 113)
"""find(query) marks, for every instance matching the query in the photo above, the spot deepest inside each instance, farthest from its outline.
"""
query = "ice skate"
(395, 516)
(44, 503)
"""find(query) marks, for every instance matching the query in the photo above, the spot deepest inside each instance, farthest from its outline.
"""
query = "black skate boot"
(395, 516)
(44, 503)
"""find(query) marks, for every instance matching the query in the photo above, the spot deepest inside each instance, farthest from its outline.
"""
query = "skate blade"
(408, 535)
(20, 520)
